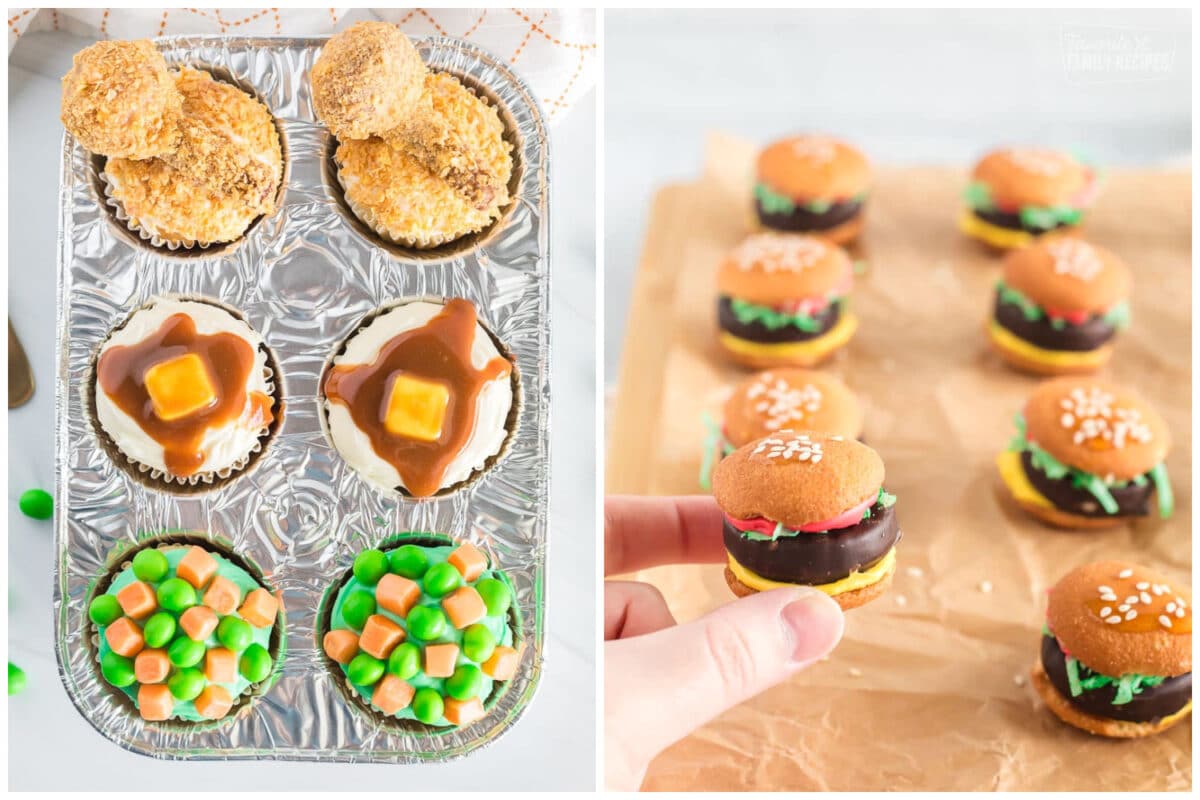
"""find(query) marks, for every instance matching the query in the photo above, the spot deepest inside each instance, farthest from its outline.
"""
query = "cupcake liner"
(200, 482)
(511, 422)
(244, 701)
(361, 704)
(110, 187)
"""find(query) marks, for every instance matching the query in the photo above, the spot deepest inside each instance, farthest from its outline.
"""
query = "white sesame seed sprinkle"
(1123, 607)
(1019, 680)
(855, 672)
(914, 572)
(1132, 599)
(1171, 608)
(1164, 620)
(901, 600)
(1179, 612)
(1112, 620)
(1146, 598)
(1130, 614)
(1109, 598)
(1105, 589)
(1125, 573)
(1106, 611)
(985, 586)
(1159, 589)
(1141, 586)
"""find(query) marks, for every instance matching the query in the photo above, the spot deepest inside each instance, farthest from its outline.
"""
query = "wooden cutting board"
(928, 689)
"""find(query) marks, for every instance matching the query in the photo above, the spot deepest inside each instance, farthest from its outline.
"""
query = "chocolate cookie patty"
(1013, 222)
(1132, 499)
(801, 219)
(758, 332)
(817, 558)
(1083, 338)
(1151, 703)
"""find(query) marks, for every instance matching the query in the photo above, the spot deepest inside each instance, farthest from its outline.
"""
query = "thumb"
(677, 679)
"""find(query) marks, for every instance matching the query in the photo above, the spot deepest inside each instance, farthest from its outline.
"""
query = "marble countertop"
(43, 722)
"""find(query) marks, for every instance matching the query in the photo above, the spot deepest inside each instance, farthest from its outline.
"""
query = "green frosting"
(1094, 484)
(882, 498)
(714, 438)
(978, 197)
(496, 624)
(771, 202)
(1032, 311)
(1118, 316)
(186, 709)
(772, 319)
(1082, 679)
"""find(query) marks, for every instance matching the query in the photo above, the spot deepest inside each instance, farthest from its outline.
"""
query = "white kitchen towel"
(554, 50)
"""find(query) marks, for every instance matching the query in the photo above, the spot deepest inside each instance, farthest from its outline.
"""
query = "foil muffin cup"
(304, 278)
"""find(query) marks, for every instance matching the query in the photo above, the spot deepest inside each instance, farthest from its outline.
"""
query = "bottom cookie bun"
(847, 600)
(1028, 358)
(1099, 726)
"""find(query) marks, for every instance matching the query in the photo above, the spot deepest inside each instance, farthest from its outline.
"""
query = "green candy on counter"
(408, 561)
(235, 633)
(370, 566)
(427, 705)
(441, 579)
(159, 629)
(357, 608)
(405, 661)
(37, 504)
(105, 610)
(184, 652)
(426, 623)
(16, 678)
(176, 594)
(255, 664)
(150, 566)
(117, 670)
(364, 669)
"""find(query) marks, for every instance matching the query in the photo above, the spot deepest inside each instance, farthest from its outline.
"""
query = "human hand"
(662, 680)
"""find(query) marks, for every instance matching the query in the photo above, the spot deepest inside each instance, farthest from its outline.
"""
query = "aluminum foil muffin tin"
(303, 278)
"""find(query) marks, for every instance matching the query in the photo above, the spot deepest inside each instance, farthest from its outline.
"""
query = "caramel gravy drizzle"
(439, 351)
(121, 370)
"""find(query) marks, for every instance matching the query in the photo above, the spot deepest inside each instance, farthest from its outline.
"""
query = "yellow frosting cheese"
(1013, 475)
(1183, 712)
(1004, 238)
(855, 580)
(1053, 358)
(832, 339)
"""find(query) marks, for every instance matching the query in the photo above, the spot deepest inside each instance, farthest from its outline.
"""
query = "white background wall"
(909, 87)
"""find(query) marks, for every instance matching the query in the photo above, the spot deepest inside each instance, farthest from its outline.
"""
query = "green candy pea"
(159, 629)
(364, 670)
(427, 705)
(357, 607)
(370, 566)
(496, 596)
(105, 610)
(478, 643)
(184, 652)
(465, 683)
(176, 594)
(117, 670)
(16, 679)
(426, 622)
(187, 684)
(441, 579)
(405, 661)
(150, 566)
(36, 503)
(408, 560)
(255, 664)
(235, 633)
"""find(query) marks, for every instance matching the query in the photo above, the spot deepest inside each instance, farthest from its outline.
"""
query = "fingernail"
(813, 622)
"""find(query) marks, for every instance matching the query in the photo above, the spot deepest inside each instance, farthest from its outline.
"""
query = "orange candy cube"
(440, 660)
(502, 665)
(380, 636)
(392, 694)
(197, 567)
(214, 702)
(464, 607)
(220, 665)
(463, 712)
(259, 608)
(151, 666)
(222, 596)
(137, 600)
(397, 594)
(198, 622)
(124, 637)
(155, 702)
(341, 645)
(469, 560)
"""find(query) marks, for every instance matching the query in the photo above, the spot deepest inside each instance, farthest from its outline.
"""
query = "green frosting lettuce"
(773, 319)
(774, 203)
(1093, 484)
(884, 499)
(714, 438)
(1081, 678)
(1118, 316)
(1032, 311)
(978, 197)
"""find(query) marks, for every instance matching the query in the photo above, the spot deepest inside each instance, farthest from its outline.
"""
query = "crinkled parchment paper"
(929, 688)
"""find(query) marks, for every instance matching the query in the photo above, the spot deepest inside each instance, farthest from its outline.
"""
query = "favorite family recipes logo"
(1096, 54)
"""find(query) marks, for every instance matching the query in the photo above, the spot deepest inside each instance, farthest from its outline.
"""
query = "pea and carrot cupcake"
(184, 394)
(424, 632)
(185, 633)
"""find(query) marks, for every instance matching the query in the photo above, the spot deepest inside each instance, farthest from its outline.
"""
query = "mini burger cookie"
(788, 397)
(806, 508)
(1116, 656)
(783, 300)
(812, 184)
(1087, 454)
(1018, 194)
(1059, 306)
